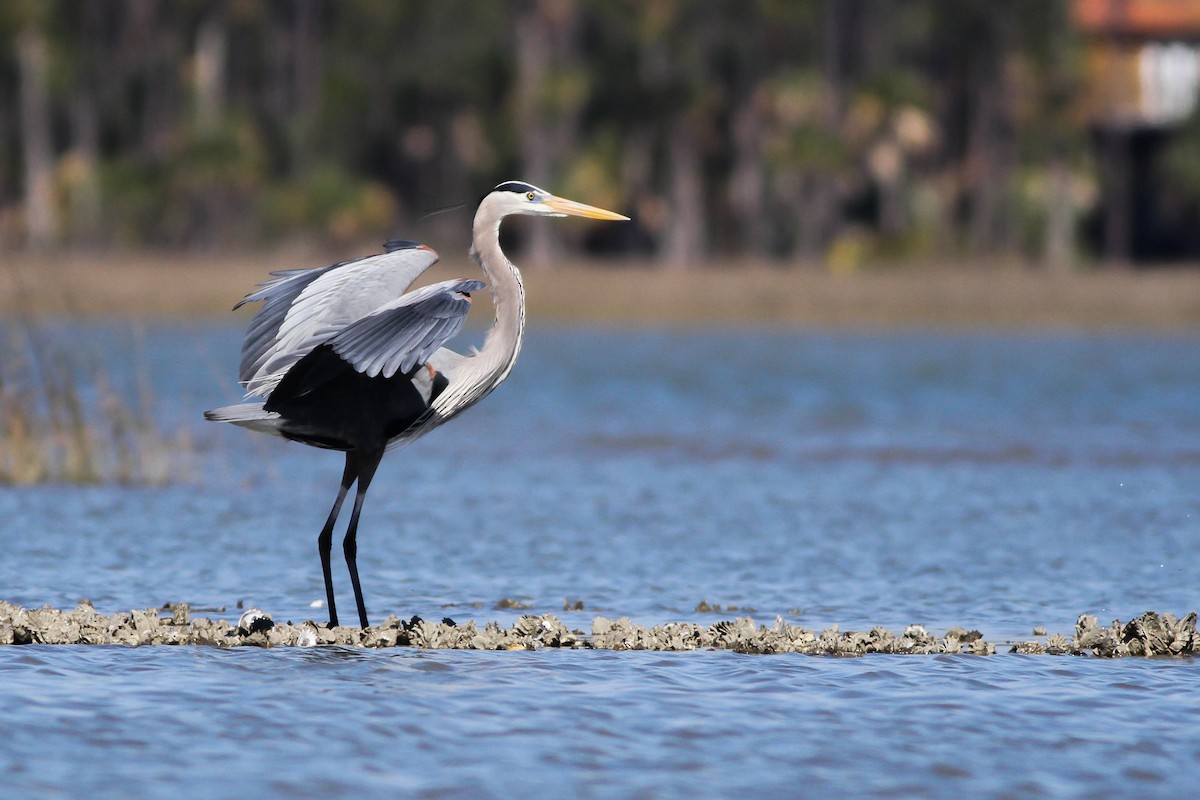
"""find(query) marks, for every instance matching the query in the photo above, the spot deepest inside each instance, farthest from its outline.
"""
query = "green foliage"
(327, 202)
(133, 208)
(876, 127)
(209, 182)
(593, 174)
(1178, 168)
(1181, 164)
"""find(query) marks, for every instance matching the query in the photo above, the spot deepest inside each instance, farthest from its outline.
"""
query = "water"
(997, 481)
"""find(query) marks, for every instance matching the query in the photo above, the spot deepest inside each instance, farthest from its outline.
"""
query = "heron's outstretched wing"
(406, 332)
(303, 308)
(403, 334)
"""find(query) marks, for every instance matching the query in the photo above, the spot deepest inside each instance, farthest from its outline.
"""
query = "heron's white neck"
(503, 341)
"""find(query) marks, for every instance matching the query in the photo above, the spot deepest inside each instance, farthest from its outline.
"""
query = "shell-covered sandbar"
(1151, 634)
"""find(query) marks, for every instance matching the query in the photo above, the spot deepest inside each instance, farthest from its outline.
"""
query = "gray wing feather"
(404, 334)
(279, 295)
(303, 307)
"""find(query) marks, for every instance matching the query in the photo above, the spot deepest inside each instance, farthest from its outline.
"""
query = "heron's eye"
(530, 196)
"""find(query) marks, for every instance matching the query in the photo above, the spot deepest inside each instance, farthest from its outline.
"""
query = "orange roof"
(1138, 17)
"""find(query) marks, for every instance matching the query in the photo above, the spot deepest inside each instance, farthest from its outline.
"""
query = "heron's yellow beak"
(561, 205)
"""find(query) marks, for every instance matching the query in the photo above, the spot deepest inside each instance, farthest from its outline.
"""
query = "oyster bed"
(1151, 634)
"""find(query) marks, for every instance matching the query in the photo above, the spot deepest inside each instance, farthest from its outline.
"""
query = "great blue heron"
(345, 358)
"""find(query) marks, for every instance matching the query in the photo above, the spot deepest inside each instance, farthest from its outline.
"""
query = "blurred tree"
(549, 94)
(834, 132)
(79, 55)
(37, 154)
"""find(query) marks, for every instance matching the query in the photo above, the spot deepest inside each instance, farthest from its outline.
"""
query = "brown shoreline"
(1150, 634)
(197, 284)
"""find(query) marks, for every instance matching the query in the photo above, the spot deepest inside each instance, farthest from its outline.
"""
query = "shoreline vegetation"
(64, 419)
(149, 284)
(1150, 634)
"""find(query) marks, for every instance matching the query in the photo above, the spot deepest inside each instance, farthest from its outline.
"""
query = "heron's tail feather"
(247, 415)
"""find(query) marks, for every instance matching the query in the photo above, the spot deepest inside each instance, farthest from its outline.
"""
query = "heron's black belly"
(325, 403)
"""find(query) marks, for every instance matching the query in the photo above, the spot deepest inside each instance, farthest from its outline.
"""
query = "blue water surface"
(993, 480)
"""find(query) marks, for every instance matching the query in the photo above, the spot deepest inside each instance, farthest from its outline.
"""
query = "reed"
(63, 421)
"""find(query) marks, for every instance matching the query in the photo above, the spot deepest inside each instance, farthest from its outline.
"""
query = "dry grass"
(61, 421)
(129, 284)
(200, 284)
(926, 296)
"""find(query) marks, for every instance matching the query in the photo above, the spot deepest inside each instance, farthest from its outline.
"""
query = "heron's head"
(518, 197)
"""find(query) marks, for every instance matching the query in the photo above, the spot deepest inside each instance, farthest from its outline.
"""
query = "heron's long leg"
(325, 539)
(367, 464)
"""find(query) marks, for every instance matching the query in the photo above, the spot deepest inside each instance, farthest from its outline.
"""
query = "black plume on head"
(520, 187)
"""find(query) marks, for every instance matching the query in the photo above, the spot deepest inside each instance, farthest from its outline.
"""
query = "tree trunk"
(37, 151)
(152, 48)
(211, 45)
(1060, 217)
(833, 19)
(981, 179)
(85, 183)
(1117, 178)
(533, 31)
(292, 84)
(685, 240)
(748, 183)
(547, 110)
(817, 218)
(306, 54)
(991, 141)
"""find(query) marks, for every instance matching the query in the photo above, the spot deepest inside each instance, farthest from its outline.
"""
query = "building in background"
(1142, 75)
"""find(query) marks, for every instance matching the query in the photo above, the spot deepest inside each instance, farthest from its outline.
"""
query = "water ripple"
(995, 481)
